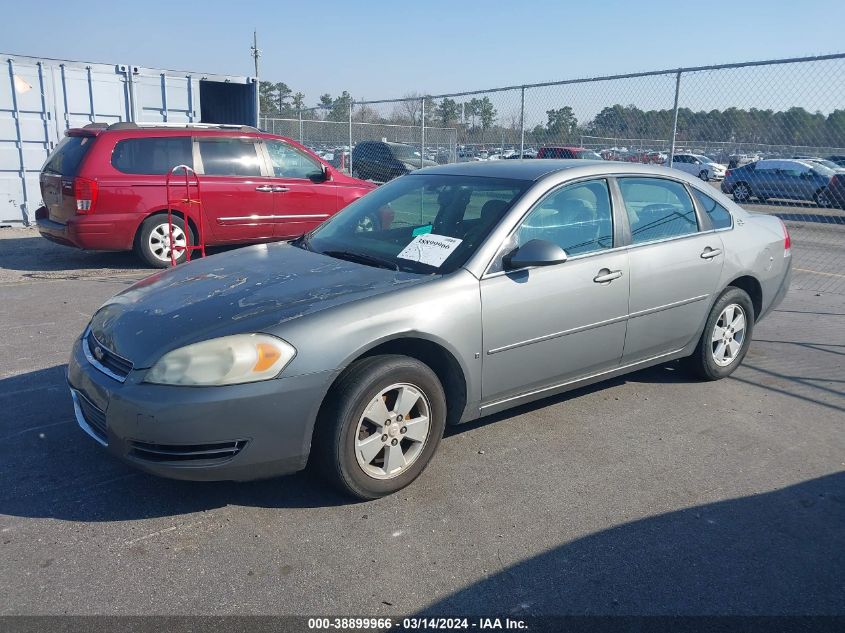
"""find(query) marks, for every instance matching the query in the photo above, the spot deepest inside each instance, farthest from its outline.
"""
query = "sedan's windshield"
(422, 223)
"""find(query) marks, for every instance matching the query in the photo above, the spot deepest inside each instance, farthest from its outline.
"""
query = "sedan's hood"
(247, 290)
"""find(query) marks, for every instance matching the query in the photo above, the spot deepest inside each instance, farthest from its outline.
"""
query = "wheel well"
(754, 289)
(441, 362)
(191, 225)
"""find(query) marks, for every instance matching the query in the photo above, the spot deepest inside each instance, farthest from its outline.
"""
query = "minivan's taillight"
(787, 242)
(85, 191)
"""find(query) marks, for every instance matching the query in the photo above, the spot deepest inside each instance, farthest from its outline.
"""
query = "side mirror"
(535, 253)
(324, 175)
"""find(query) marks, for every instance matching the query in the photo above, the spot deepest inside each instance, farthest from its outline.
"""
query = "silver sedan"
(444, 296)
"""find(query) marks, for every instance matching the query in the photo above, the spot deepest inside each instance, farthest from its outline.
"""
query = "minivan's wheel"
(742, 192)
(704, 175)
(152, 243)
(380, 426)
(726, 336)
(822, 199)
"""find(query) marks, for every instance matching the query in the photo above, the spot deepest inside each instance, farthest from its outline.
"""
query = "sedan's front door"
(237, 200)
(674, 268)
(302, 197)
(545, 326)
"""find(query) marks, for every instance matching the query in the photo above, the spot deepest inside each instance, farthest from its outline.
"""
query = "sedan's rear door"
(675, 264)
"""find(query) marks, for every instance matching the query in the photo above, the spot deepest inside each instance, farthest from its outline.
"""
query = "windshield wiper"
(363, 258)
(302, 242)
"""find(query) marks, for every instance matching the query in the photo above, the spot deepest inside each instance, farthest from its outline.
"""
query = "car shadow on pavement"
(779, 552)
(37, 255)
(50, 468)
(669, 373)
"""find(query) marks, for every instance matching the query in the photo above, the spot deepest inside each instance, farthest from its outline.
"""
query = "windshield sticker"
(421, 230)
(431, 249)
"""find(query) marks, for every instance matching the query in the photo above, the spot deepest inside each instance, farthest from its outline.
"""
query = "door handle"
(281, 189)
(264, 188)
(710, 253)
(606, 275)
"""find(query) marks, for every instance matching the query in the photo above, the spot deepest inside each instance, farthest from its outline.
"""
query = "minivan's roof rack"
(125, 125)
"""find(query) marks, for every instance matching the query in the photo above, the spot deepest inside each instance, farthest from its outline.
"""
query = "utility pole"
(256, 53)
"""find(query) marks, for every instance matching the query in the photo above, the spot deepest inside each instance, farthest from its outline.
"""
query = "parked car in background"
(336, 351)
(822, 161)
(782, 178)
(567, 152)
(103, 188)
(380, 161)
(698, 165)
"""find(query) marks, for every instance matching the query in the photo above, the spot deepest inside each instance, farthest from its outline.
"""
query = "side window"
(229, 157)
(152, 155)
(680, 159)
(577, 218)
(657, 209)
(719, 215)
(289, 162)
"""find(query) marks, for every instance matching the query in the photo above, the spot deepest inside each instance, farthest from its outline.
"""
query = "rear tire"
(726, 336)
(354, 449)
(152, 240)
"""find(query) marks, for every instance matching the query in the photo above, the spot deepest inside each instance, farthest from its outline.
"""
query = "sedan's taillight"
(727, 173)
(85, 191)
(787, 242)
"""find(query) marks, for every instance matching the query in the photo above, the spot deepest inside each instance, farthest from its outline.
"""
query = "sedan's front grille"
(104, 359)
(90, 417)
(217, 452)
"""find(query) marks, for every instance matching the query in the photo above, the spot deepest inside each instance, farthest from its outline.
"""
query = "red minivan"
(104, 187)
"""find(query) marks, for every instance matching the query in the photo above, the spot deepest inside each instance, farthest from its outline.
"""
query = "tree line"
(478, 120)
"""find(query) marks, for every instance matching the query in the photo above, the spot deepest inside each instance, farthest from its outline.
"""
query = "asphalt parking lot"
(648, 494)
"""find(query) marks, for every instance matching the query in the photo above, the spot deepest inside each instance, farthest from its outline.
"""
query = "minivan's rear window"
(68, 155)
(152, 155)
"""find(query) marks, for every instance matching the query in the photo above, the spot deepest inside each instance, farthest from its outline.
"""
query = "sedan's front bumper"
(235, 432)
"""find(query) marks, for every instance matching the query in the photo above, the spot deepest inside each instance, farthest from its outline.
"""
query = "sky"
(379, 49)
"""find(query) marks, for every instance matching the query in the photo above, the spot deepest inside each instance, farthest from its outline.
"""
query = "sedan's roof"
(536, 168)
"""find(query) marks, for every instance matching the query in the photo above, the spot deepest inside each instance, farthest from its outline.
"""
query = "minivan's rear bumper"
(100, 232)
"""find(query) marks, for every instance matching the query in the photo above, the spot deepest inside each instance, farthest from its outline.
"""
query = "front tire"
(726, 336)
(704, 175)
(380, 427)
(152, 243)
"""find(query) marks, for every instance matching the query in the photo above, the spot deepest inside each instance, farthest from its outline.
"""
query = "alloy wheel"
(160, 245)
(392, 431)
(728, 335)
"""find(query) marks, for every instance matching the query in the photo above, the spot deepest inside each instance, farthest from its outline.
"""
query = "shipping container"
(40, 98)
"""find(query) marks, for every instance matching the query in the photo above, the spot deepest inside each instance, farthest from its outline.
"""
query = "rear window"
(68, 155)
(152, 155)
(719, 215)
(229, 157)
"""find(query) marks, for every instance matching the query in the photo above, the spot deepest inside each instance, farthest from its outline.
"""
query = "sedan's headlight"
(228, 360)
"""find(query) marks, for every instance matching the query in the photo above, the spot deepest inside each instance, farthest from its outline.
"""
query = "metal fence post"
(675, 119)
(522, 125)
(422, 134)
(351, 105)
(300, 125)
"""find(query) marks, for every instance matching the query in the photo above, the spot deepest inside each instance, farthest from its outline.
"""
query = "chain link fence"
(770, 134)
